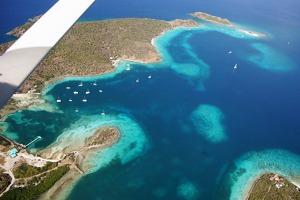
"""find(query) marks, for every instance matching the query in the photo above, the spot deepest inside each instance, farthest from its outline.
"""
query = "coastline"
(71, 177)
(269, 185)
(100, 139)
(62, 188)
(41, 78)
(252, 165)
(249, 189)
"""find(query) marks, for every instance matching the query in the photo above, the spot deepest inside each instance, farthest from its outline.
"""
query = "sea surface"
(192, 126)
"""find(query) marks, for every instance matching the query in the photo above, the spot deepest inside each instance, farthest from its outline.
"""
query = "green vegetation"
(33, 191)
(3, 141)
(5, 46)
(264, 188)
(104, 136)
(19, 31)
(89, 47)
(211, 18)
(25, 170)
(4, 181)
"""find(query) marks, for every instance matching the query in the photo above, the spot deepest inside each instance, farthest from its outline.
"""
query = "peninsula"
(88, 49)
(273, 186)
(28, 175)
(211, 18)
(93, 48)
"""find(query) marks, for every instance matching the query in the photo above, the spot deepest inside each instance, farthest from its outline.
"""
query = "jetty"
(37, 138)
(21, 146)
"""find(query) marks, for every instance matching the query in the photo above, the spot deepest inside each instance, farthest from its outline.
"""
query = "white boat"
(70, 99)
(235, 66)
(149, 76)
(88, 91)
(75, 92)
(76, 110)
(229, 52)
(128, 68)
(100, 91)
(68, 87)
(137, 80)
(103, 113)
(95, 83)
(58, 100)
(84, 99)
(80, 84)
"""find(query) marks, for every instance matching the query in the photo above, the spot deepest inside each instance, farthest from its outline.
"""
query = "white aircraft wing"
(28, 51)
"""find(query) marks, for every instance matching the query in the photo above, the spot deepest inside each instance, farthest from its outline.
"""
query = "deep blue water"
(260, 106)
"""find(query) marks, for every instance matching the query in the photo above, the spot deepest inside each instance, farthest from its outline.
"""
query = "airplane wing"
(17, 63)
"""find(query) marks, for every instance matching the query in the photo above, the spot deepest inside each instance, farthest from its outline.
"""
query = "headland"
(273, 186)
(90, 49)
(211, 18)
(31, 174)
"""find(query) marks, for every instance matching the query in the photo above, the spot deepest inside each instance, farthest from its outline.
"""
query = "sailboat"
(95, 83)
(70, 99)
(75, 92)
(100, 91)
(80, 84)
(88, 91)
(149, 76)
(58, 100)
(137, 80)
(84, 99)
(103, 113)
(128, 67)
(68, 87)
(235, 66)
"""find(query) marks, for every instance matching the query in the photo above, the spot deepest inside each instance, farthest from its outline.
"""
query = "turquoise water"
(193, 117)
(198, 128)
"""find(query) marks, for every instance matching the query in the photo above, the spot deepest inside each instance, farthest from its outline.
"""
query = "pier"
(19, 144)
(37, 138)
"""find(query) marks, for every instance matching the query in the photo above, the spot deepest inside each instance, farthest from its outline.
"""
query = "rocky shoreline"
(101, 138)
(273, 186)
(211, 18)
(99, 48)
(98, 45)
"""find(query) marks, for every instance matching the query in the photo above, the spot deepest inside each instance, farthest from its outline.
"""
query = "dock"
(21, 146)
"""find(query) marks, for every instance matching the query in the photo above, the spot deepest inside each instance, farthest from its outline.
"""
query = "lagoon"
(255, 110)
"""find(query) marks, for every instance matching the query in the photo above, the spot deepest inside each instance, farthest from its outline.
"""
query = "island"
(273, 186)
(99, 45)
(211, 18)
(23, 174)
(88, 49)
